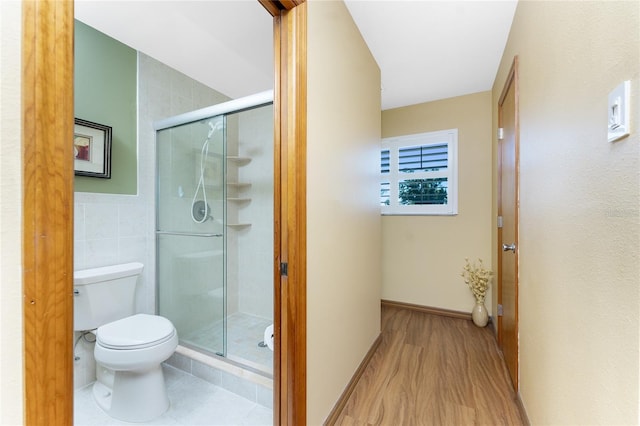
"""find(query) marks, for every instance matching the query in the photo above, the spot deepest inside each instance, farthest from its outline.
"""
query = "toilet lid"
(135, 332)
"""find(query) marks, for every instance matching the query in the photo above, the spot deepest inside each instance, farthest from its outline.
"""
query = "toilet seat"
(135, 332)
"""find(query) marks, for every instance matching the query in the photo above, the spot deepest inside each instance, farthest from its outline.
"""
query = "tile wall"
(255, 244)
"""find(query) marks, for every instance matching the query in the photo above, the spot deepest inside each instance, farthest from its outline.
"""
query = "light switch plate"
(618, 112)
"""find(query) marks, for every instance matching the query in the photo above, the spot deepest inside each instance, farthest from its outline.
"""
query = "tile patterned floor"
(193, 402)
(244, 332)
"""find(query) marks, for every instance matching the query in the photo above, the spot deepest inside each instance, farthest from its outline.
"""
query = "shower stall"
(214, 228)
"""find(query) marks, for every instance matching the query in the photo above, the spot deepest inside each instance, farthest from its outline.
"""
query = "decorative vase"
(479, 314)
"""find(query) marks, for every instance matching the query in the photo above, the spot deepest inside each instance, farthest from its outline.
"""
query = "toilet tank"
(102, 295)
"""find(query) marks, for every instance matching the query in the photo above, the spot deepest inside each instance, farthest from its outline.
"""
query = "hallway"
(432, 370)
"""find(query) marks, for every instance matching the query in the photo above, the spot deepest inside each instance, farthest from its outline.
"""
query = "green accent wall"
(105, 92)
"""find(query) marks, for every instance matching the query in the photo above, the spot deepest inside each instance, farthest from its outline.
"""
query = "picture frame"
(92, 149)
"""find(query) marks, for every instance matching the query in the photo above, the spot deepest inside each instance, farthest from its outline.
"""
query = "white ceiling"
(430, 50)
(227, 45)
(426, 49)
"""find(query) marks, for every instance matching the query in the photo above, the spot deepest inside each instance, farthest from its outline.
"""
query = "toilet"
(129, 347)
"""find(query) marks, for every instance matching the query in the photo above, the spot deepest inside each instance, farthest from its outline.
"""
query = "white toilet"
(129, 348)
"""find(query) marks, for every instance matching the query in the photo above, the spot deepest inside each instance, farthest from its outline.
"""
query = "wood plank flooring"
(432, 370)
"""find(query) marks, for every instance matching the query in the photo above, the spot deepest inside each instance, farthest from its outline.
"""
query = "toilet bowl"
(129, 352)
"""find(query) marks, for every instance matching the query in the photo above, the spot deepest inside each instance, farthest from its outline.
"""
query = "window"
(418, 174)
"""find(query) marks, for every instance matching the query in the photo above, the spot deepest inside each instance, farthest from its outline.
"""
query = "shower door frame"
(234, 106)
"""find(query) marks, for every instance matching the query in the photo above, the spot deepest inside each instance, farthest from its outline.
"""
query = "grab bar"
(188, 234)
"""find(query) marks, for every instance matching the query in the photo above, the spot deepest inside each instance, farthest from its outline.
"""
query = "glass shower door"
(190, 228)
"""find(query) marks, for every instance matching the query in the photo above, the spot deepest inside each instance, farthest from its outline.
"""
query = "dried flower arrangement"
(477, 278)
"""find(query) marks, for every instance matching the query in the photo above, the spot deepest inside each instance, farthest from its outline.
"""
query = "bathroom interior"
(196, 211)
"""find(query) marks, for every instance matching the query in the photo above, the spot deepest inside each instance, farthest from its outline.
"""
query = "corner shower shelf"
(238, 225)
(236, 188)
(241, 161)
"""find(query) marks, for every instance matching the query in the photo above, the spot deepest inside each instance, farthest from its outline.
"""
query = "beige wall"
(579, 217)
(343, 221)
(423, 256)
(11, 387)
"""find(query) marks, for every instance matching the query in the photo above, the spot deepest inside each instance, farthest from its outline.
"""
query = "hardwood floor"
(432, 370)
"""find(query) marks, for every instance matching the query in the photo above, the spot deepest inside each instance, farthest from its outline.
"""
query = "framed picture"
(92, 149)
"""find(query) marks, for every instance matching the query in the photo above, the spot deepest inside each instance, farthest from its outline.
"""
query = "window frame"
(394, 176)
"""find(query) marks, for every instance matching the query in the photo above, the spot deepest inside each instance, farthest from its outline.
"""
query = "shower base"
(244, 332)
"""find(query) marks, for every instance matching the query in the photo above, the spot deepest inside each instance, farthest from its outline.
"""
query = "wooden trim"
(277, 229)
(499, 235)
(274, 7)
(47, 125)
(427, 309)
(344, 398)
(516, 96)
(290, 380)
(271, 7)
(290, 4)
(512, 79)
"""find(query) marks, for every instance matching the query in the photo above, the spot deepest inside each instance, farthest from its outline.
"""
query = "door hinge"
(499, 221)
(500, 133)
(499, 310)
(284, 269)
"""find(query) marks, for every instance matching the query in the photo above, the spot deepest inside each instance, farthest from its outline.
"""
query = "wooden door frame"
(47, 214)
(290, 235)
(47, 210)
(511, 81)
